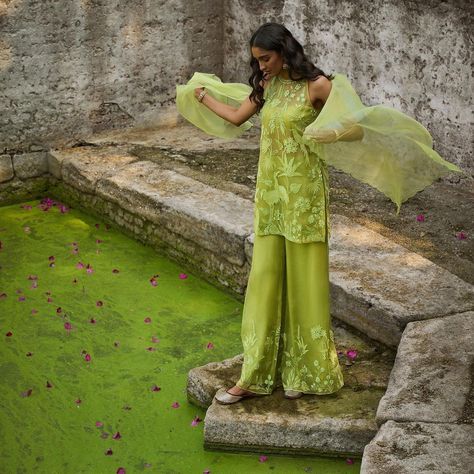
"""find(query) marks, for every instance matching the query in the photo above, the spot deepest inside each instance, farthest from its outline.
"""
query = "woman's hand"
(197, 91)
(324, 136)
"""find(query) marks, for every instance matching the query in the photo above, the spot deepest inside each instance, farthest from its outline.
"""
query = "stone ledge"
(338, 424)
(418, 447)
(432, 378)
(218, 221)
(379, 286)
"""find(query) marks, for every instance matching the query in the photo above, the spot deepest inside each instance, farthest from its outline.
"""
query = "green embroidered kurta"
(292, 192)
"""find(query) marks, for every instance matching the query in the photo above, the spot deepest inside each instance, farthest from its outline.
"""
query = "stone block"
(422, 448)
(6, 168)
(379, 286)
(30, 165)
(432, 377)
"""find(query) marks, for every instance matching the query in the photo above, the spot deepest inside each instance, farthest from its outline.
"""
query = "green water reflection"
(68, 267)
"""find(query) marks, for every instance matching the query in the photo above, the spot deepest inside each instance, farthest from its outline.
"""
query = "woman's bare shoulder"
(319, 88)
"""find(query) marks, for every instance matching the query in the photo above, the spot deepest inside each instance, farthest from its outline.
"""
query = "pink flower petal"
(210, 345)
(183, 276)
(461, 235)
(155, 388)
(26, 393)
(151, 349)
(80, 265)
(349, 461)
(67, 326)
(121, 470)
(109, 452)
(196, 421)
(420, 218)
(92, 321)
(351, 354)
(117, 435)
(175, 405)
(9, 334)
(153, 281)
(34, 311)
(147, 320)
(99, 424)
(99, 303)
(78, 401)
(115, 270)
(59, 310)
(51, 258)
(263, 458)
(48, 385)
(87, 357)
(154, 339)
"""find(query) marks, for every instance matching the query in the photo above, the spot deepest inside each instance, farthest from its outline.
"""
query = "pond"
(98, 335)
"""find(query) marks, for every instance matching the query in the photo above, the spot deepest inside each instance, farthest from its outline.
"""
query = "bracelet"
(337, 134)
(201, 95)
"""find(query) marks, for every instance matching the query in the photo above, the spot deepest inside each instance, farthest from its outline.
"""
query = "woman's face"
(270, 62)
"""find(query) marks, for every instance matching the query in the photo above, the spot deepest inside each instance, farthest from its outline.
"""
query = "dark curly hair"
(275, 37)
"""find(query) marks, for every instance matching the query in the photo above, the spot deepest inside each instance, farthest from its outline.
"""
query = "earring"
(285, 66)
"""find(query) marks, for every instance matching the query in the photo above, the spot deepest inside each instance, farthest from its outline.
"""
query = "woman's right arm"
(227, 112)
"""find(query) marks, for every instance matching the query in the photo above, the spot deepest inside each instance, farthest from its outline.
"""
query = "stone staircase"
(410, 320)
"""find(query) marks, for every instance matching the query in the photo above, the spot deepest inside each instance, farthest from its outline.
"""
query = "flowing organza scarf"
(377, 145)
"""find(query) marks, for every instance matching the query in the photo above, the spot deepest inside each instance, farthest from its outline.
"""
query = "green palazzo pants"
(286, 324)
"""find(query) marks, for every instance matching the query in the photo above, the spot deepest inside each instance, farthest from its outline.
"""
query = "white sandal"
(293, 394)
(226, 398)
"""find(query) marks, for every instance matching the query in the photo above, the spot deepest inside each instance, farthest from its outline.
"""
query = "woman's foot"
(233, 395)
(292, 394)
(236, 390)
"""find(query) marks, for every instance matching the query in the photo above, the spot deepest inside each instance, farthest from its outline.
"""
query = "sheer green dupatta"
(199, 115)
(377, 145)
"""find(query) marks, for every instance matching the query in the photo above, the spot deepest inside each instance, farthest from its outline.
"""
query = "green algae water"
(98, 335)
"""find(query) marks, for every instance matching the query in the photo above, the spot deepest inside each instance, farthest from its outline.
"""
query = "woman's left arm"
(319, 91)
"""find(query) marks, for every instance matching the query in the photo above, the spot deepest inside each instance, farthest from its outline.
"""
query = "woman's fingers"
(198, 90)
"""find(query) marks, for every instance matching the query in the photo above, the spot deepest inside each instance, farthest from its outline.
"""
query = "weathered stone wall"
(413, 55)
(71, 67)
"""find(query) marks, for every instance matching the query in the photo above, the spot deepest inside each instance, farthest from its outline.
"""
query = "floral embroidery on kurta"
(292, 189)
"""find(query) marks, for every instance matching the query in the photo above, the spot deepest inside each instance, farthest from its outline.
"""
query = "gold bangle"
(201, 95)
(337, 134)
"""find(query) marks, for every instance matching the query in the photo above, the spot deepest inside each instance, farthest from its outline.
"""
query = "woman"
(286, 325)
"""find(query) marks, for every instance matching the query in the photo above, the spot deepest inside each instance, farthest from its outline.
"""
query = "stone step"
(427, 413)
(339, 424)
(377, 286)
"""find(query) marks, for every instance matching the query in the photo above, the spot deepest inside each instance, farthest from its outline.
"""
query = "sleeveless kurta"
(292, 191)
